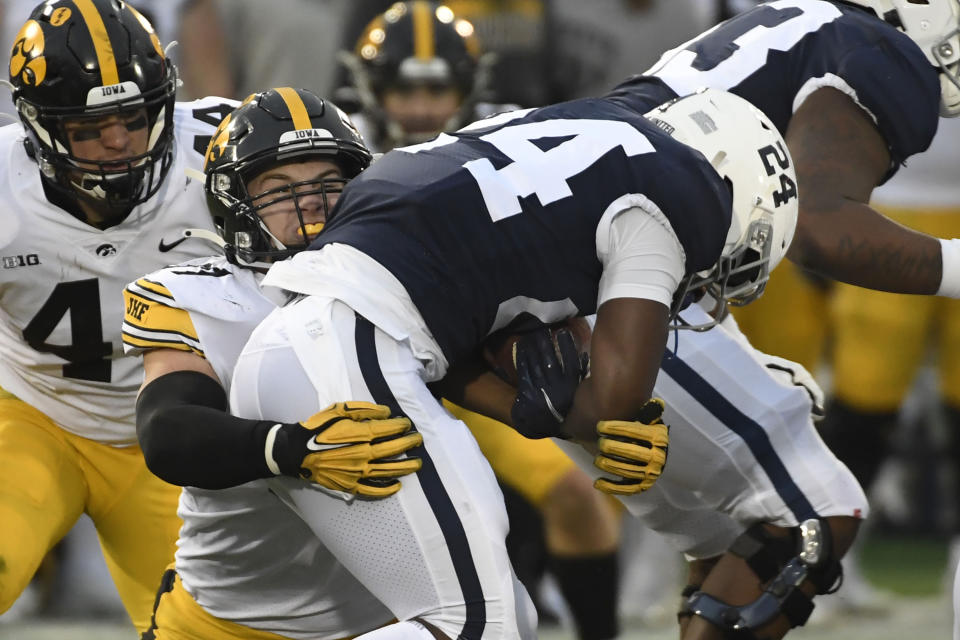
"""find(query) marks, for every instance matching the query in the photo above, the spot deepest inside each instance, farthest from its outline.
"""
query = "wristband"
(268, 450)
(950, 280)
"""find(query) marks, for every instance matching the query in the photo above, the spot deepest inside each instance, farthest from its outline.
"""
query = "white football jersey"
(243, 555)
(207, 306)
(61, 282)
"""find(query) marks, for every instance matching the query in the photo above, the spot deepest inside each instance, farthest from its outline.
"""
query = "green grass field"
(910, 566)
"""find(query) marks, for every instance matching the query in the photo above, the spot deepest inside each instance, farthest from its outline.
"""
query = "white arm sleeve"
(640, 253)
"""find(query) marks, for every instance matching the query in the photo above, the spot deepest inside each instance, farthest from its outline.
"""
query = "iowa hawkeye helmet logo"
(26, 57)
(218, 142)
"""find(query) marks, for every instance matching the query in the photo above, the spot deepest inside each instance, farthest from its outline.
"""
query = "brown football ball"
(499, 350)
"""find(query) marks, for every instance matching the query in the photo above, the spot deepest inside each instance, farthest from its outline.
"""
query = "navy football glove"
(549, 370)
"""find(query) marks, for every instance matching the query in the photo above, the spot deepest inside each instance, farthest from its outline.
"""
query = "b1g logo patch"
(27, 260)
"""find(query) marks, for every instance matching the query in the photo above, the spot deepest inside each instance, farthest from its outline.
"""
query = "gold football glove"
(349, 446)
(635, 452)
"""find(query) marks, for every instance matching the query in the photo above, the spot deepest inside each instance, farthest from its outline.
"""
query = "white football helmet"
(935, 26)
(748, 152)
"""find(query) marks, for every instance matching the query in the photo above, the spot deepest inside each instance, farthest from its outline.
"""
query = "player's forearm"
(188, 438)
(626, 349)
(580, 424)
(840, 157)
(597, 400)
(850, 242)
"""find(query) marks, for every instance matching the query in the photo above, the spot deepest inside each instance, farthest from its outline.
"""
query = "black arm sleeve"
(188, 438)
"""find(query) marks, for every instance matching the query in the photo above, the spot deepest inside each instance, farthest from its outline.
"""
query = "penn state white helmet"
(935, 26)
(748, 152)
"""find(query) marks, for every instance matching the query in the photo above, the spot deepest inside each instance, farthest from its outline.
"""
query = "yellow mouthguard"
(311, 229)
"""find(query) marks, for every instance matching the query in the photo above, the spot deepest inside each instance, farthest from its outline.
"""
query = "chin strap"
(228, 249)
(784, 563)
(205, 234)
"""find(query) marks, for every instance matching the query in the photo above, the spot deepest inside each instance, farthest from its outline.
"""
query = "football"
(499, 348)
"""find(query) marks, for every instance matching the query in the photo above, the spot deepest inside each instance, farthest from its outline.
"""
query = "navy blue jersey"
(499, 221)
(776, 54)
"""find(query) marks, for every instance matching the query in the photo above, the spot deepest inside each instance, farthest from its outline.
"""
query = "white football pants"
(436, 549)
(743, 447)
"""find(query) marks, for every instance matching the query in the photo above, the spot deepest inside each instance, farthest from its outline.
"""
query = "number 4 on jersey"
(545, 173)
(571, 147)
(87, 353)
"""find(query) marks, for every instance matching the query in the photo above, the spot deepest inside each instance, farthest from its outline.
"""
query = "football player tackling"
(526, 218)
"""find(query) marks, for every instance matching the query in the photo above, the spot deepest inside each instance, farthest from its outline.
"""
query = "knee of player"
(8, 593)
(577, 517)
(12, 583)
(574, 497)
(793, 565)
(844, 530)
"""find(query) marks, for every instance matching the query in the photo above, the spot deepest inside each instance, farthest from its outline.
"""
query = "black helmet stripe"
(298, 110)
(101, 42)
(424, 41)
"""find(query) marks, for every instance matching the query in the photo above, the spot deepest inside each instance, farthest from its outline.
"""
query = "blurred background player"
(95, 195)
(418, 70)
(882, 341)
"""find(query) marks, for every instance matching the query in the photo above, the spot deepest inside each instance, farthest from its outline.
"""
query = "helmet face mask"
(747, 151)
(277, 129)
(67, 72)
(252, 239)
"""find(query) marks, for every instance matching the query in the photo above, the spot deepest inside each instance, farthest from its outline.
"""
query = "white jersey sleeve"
(62, 281)
(205, 306)
(641, 256)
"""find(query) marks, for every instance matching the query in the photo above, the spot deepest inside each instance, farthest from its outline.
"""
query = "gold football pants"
(530, 467)
(49, 477)
(882, 339)
(179, 617)
(790, 318)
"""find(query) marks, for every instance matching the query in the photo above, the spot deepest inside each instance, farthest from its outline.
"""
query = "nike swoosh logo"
(313, 445)
(164, 247)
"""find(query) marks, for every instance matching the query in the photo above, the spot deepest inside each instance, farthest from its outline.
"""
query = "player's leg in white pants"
(435, 551)
(742, 444)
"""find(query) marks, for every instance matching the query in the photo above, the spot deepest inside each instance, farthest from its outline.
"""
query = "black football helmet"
(271, 128)
(412, 43)
(76, 59)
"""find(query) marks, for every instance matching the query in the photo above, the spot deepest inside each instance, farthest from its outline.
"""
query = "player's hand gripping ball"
(546, 366)
(500, 351)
